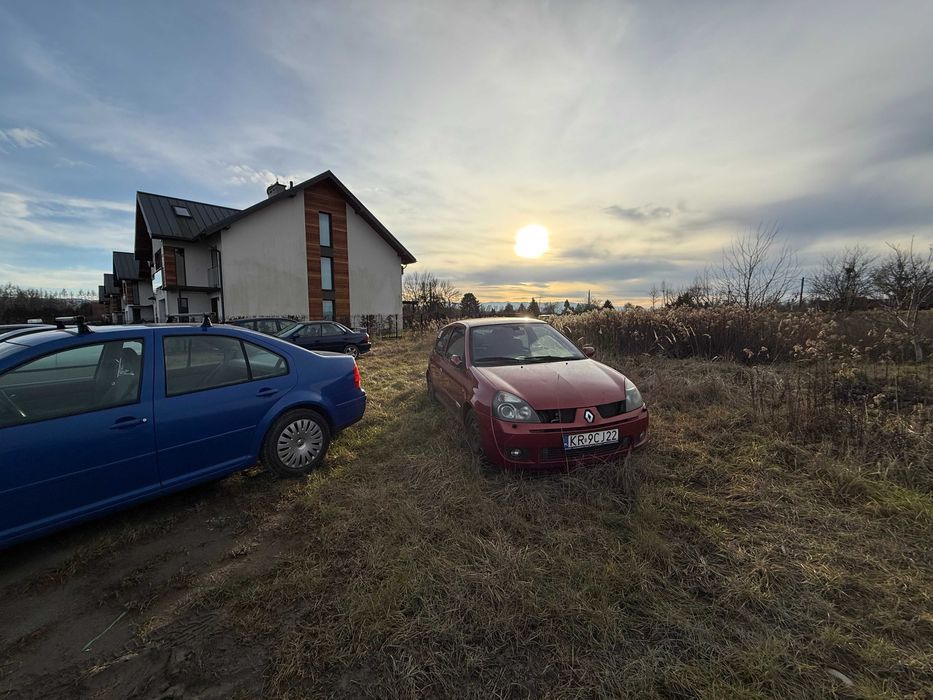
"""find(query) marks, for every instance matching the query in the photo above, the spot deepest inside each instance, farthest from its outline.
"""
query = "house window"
(323, 220)
(181, 278)
(158, 260)
(328, 309)
(182, 211)
(182, 305)
(327, 273)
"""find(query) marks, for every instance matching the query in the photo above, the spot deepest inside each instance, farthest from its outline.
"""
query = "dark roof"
(125, 266)
(407, 258)
(163, 222)
(101, 294)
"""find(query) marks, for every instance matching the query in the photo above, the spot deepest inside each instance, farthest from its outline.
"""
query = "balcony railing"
(213, 277)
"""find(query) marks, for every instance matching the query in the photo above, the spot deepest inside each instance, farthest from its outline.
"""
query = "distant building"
(312, 250)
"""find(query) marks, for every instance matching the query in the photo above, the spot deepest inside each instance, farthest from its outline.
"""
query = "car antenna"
(206, 323)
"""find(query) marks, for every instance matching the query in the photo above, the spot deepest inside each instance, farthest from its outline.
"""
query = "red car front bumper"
(542, 444)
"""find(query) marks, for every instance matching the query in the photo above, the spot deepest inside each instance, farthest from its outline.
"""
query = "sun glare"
(531, 241)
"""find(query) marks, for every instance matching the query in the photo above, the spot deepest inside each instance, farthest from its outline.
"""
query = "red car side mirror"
(589, 350)
(456, 360)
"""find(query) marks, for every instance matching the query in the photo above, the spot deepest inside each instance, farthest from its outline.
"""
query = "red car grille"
(569, 415)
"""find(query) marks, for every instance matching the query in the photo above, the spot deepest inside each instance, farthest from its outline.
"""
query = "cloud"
(642, 213)
(63, 277)
(78, 222)
(246, 175)
(23, 137)
(71, 163)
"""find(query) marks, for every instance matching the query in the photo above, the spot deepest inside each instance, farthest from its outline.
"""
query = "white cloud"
(246, 175)
(70, 221)
(23, 137)
(65, 277)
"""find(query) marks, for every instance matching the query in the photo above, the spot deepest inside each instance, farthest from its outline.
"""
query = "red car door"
(453, 369)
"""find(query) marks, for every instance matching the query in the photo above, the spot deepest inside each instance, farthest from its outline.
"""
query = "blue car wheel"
(296, 443)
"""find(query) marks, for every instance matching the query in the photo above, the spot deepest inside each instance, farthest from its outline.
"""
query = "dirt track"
(61, 592)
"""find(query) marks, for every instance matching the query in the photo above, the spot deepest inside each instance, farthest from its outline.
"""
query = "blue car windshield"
(520, 343)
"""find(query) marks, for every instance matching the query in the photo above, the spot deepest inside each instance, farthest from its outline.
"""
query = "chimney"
(275, 188)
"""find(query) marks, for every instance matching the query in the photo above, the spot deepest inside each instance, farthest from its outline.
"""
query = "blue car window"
(198, 363)
(264, 364)
(68, 382)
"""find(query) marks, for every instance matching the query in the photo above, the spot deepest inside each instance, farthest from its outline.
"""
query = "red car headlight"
(511, 408)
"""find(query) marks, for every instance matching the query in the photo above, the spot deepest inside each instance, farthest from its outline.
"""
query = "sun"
(531, 241)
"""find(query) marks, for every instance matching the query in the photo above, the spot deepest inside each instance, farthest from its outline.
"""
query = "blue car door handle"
(267, 391)
(128, 422)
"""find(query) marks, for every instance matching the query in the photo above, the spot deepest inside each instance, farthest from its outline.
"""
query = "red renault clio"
(527, 397)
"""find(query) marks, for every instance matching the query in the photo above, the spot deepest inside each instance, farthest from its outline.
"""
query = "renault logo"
(588, 416)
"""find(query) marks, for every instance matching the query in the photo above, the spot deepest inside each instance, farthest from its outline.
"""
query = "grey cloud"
(549, 274)
(646, 212)
(856, 209)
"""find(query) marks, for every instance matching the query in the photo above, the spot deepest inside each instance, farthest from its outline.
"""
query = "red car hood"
(549, 385)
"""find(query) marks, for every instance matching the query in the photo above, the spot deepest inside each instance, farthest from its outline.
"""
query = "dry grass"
(730, 558)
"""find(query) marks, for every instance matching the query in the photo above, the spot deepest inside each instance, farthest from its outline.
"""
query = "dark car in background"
(270, 325)
(327, 335)
(97, 419)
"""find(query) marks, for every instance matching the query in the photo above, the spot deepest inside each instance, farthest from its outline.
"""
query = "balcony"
(213, 277)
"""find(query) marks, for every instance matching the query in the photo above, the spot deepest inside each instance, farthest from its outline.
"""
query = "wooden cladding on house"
(129, 292)
(169, 270)
(325, 197)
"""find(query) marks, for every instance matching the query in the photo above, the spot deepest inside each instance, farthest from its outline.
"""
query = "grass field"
(728, 559)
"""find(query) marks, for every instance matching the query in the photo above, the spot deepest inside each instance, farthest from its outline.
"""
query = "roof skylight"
(182, 211)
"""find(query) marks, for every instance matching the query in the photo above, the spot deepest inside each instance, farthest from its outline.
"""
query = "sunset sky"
(641, 136)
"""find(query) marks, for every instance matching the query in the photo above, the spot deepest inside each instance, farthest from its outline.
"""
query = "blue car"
(94, 420)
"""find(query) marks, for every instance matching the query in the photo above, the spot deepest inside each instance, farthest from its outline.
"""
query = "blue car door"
(212, 391)
(76, 432)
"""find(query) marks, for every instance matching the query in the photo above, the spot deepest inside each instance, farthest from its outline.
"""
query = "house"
(311, 250)
(133, 280)
(108, 296)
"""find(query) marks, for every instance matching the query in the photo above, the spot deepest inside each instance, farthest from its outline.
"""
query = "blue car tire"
(296, 443)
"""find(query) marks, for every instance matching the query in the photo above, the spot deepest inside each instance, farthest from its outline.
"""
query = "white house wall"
(264, 264)
(375, 270)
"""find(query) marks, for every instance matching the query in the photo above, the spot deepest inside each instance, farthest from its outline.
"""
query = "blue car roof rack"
(83, 328)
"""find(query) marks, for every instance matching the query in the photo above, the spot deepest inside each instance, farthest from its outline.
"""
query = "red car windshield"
(519, 343)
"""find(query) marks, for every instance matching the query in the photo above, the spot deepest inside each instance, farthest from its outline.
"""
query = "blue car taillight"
(357, 382)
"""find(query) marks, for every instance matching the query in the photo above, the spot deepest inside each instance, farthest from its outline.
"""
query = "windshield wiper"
(497, 360)
(546, 358)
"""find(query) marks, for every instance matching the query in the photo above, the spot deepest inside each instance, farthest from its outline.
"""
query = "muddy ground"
(102, 609)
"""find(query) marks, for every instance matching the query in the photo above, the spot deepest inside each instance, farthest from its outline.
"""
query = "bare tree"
(904, 280)
(432, 298)
(757, 271)
(844, 279)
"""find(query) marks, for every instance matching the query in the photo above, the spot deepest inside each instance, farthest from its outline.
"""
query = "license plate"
(598, 437)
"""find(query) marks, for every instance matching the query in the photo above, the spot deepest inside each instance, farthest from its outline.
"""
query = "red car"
(528, 397)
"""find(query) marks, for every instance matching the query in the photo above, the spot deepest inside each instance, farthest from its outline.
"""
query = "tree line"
(19, 304)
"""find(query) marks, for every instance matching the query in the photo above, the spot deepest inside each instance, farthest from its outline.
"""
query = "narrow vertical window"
(323, 220)
(328, 309)
(327, 273)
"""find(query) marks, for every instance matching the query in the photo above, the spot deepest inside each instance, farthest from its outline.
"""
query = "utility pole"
(801, 291)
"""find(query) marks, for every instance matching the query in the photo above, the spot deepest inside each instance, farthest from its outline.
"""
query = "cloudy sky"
(642, 135)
